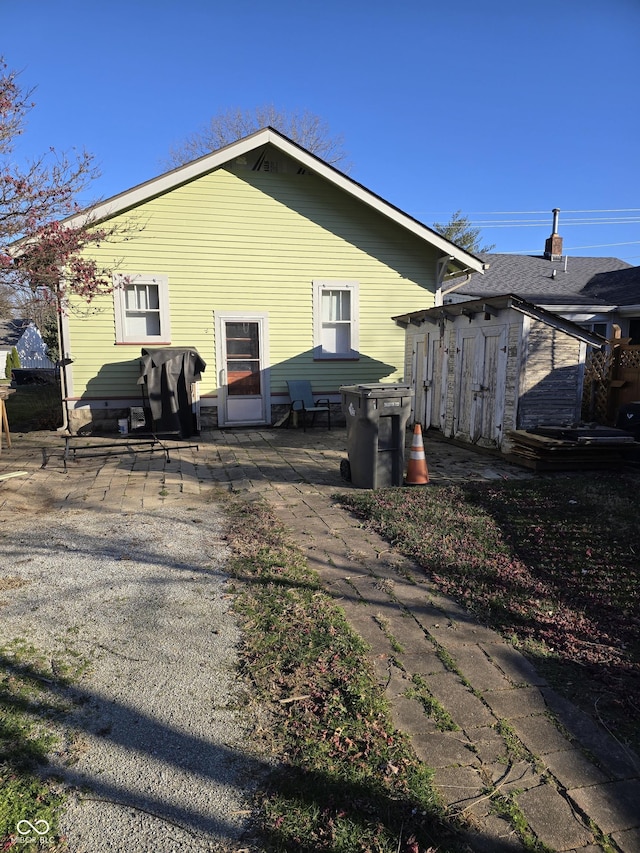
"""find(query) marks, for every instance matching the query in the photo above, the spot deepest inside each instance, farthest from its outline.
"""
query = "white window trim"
(320, 285)
(120, 282)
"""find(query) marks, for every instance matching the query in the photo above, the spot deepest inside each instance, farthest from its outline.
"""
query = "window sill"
(147, 343)
(336, 358)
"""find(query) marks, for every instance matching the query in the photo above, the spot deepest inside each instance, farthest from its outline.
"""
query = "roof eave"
(210, 162)
(502, 302)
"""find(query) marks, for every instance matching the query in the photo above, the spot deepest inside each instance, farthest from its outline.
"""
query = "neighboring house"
(482, 368)
(597, 293)
(271, 264)
(25, 336)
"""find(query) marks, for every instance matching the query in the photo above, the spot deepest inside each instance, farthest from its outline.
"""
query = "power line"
(529, 212)
(575, 248)
(566, 223)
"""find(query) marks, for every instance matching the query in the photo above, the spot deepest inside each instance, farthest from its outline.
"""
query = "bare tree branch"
(305, 128)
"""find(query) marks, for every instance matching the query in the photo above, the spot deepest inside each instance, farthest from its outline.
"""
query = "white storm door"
(242, 361)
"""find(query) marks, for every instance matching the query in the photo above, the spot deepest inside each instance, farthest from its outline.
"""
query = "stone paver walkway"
(583, 782)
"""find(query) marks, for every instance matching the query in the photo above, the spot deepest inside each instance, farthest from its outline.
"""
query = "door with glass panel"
(243, 386)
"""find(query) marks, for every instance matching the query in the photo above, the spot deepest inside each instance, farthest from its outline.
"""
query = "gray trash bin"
(376, 417)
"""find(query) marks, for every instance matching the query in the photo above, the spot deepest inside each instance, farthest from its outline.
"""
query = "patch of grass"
(432, 707)
(383, 624)
(35, 407)
(553, 563)
(516, 750)
(346, 781)
(31, 696)
(506, 805)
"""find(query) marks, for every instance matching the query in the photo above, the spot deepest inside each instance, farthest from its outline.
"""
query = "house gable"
(252, 153)
(252, 238)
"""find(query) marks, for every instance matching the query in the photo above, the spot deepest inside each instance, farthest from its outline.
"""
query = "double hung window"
(336, 324)
(142, 309)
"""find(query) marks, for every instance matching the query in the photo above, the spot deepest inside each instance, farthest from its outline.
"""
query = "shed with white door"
(485, 367)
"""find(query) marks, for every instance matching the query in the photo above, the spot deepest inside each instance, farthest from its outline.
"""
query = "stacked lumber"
(567, 450)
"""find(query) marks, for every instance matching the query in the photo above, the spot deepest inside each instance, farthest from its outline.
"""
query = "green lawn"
(552, 563)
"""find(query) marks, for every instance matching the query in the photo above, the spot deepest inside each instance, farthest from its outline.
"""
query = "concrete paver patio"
(584, 779)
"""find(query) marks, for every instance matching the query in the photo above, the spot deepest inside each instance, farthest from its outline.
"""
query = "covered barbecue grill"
(168, 376)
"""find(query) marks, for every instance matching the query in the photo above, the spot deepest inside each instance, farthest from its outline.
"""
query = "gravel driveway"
(158, 758)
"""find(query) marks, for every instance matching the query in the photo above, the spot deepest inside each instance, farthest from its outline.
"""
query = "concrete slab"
(613, 757)
(445, 749)
(494, 835)
(490, 746)
(461, 787)
(552, 819)
(476, 667)
(628, 841)
(517, 776)
(515, 702)
(425, 663)
(539, 734)
(466, 709)
(513, 664)
(615, 806)
(573, 770)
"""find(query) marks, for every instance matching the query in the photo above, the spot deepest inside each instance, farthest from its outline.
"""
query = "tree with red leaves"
(40, 253)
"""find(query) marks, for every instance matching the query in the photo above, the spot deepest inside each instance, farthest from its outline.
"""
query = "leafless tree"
(305, 128)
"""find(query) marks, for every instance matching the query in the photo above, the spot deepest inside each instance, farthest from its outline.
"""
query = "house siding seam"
(246, 241)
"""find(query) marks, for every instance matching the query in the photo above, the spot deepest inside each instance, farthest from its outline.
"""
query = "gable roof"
(499, 303)
(11, 331)
(576, 281)
(619, 287)
(460, 261)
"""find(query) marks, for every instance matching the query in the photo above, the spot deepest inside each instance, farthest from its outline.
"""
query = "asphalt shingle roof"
(585, 281)
(11, 331)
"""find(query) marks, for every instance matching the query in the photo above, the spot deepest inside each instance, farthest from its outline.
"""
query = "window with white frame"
(142, 308)
(336, 320)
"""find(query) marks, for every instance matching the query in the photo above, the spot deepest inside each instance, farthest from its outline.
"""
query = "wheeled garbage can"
(376, 416)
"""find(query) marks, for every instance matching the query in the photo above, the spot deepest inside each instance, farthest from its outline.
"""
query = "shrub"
(13, 361)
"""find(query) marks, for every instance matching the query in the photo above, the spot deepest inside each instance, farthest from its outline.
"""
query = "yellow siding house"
(271, 264)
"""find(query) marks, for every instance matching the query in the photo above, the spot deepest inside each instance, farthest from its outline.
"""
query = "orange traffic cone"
(417, 473)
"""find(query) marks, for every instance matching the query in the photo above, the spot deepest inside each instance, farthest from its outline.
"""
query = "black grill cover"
(168, 373)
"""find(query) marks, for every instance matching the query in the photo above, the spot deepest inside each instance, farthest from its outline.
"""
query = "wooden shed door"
(427, 370)
(480, 384)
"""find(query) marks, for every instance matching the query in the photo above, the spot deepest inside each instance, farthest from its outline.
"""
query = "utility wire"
(567, 223)
(530, 212)
(575, 248)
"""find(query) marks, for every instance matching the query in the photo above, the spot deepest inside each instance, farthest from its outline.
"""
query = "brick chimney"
(553, 244)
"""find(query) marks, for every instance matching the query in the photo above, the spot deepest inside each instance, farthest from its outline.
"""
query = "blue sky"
(503, 109)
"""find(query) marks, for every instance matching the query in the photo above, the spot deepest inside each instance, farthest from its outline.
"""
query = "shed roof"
(494, 304)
